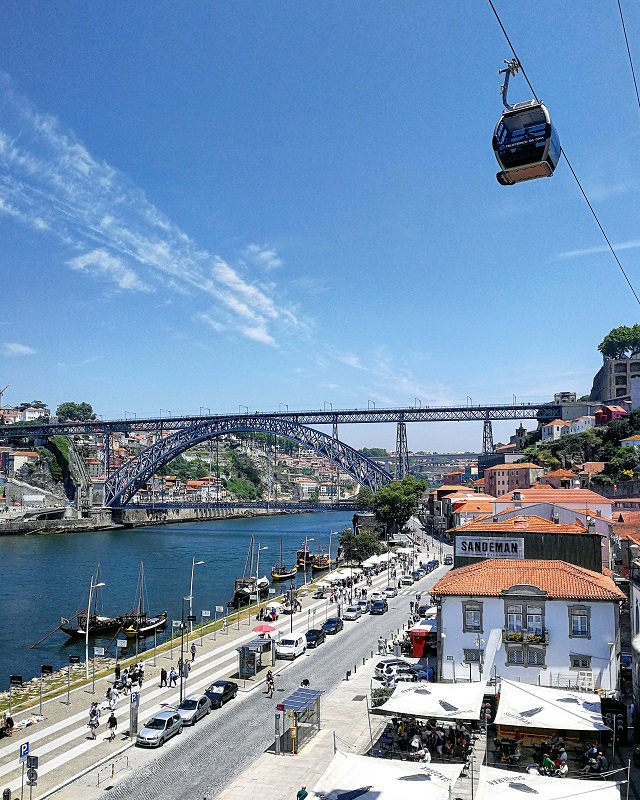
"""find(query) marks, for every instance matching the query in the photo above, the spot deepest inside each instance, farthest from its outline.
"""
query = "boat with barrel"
(142, 624)
(321, 559)
(280, 571)
(249, 584)
(98, 623)
(304, 556)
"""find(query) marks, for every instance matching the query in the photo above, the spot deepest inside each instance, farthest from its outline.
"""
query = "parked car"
(315, 637)
(448, 560)
(193, 708)
(375, 595)
(379, 607)
(291, 646)
(364, 606)
(319, 594)
(352, 613)
(221, 692)
(391, 591)
(426, 610)
(416, 575)
(159, 729)
(387, 662)
(406, 580)
(401, 677)
(333, 625)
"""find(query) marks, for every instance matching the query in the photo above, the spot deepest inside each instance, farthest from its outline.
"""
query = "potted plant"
(514, 636)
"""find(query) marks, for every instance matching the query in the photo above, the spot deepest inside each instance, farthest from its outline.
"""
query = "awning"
(440, 700)
(424, 627)
(525, 706)
(350, 776)
(498, 784)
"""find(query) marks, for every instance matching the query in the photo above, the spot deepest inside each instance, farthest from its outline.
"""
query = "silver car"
(352, 613)
(364, 606)
(161, 727)
(193, 708)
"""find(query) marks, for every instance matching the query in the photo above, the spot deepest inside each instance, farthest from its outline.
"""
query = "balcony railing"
(514, 637)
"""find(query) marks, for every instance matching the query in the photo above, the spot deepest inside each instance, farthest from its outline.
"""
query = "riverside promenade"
(69, 760)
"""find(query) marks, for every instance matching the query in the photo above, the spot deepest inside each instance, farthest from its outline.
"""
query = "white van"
(291, 646)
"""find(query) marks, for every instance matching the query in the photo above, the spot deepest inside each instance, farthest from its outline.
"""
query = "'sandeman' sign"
(489, 547)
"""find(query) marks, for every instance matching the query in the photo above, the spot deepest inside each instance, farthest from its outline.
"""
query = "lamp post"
(193, 566)
(306, 541)
(260, 549)
(92, 586)
(182, 627)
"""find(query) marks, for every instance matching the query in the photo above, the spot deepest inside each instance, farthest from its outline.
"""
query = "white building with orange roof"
(554, 430)
(558, 623)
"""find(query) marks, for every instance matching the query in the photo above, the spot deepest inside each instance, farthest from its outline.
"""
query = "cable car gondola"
(525, 143)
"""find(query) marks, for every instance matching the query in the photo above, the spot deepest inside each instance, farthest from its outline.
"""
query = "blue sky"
(253, 203)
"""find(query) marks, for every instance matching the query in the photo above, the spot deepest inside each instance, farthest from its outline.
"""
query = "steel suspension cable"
(626, 40)
(584, 194)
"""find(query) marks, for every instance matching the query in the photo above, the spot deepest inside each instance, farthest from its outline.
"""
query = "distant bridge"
(174, 435)
(268, 505)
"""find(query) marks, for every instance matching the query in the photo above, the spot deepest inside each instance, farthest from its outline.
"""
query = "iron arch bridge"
(121, 485)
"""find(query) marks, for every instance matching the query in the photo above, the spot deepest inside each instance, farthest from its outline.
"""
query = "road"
(202, 761)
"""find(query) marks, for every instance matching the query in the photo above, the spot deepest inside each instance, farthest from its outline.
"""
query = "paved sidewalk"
(62, 740)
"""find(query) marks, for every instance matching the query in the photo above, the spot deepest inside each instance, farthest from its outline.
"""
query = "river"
(45, 577)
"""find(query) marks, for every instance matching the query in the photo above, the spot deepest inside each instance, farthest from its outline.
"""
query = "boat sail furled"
(280, 571)
(141, 624)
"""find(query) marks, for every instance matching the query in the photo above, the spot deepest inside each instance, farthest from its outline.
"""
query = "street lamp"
(193, 566)
(280, 406)
(92, 586)
(260, 549)
(306, 541)
(182, 627)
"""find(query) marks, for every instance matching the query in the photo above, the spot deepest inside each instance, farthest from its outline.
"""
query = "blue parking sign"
(24, 749)
(134, 698)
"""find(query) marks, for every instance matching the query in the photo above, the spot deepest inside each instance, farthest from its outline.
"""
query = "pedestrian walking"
(224, 625)
(112, 726)
(116, 672)
(173, 677)
(302, 793)
(163, 677)
(193, 651)
(270, 683)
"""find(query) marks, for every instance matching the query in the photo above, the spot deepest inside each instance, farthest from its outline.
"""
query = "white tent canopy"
(406, 550)
(440, 700)
(380, 779)
(370, 562)
(526, 706)
(336, 575)
(499, 784)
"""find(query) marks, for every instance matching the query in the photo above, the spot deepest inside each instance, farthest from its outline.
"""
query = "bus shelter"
(297, 720)
(255, 655)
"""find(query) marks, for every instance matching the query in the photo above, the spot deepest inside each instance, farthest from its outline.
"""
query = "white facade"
(570, 637)
(582, 424)
(554, 430)
(29, 414)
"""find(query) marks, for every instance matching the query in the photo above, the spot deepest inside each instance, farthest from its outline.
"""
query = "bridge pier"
(487, 437)
(402, 451)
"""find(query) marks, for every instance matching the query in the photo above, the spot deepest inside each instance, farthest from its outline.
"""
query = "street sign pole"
(22, 783)
(155, 644)
(215, 622)
(134, 703)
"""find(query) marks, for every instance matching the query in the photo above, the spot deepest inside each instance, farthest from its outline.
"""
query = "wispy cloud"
(16, 349)
(263, 256)
(51, 182)
(633, 244)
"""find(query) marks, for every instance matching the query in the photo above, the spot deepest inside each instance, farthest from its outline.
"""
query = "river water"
(47, 577)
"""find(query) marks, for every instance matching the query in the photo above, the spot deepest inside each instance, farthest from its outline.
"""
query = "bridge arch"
(123, 483)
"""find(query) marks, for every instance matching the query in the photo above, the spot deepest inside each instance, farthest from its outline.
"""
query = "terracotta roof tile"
(536, 494)
(560, 473)
(557, 578)
(531, 523)
(525, 465)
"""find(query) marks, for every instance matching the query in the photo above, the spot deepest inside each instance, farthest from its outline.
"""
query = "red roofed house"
(558, 623)
(561, 479)
(578, 499)
(505, 478)
(605, 414)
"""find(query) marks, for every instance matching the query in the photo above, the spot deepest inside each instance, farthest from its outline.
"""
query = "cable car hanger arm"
(511, 69)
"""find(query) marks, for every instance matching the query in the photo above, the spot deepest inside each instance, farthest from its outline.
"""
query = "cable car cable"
(633, 72)
(584, 194)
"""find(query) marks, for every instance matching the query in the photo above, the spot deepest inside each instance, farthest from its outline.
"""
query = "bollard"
(372, 654)
(364, 661)
(348, 674)
(354, 669)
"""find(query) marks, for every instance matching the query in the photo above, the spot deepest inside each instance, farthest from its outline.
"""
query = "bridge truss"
(121, 485)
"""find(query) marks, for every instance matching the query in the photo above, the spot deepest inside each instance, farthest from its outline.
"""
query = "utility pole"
(2, 391)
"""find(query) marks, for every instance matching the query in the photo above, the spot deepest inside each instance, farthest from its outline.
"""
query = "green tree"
(621, 342)
(359, 546)
(374, 452)
(75, 411)
(364, 498)
(395, 504)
